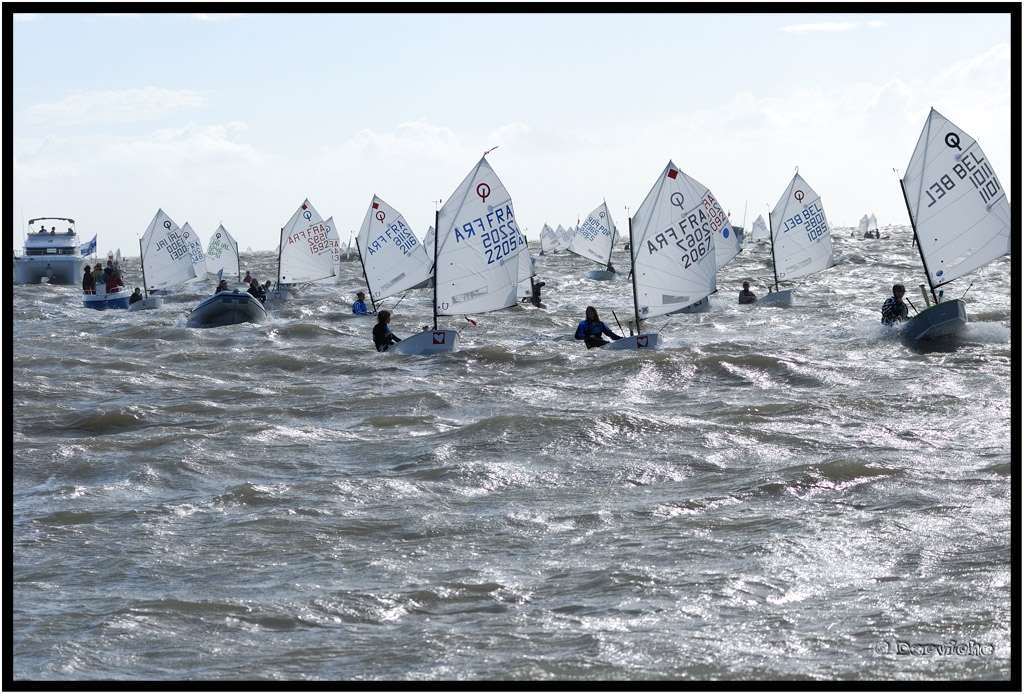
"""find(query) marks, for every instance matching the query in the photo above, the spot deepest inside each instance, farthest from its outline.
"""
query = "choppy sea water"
(780, 493)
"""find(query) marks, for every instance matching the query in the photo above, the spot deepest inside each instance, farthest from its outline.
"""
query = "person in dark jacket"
(382, 335)
(88, 281)
(894, 310)
(592, 330)
(136, 296)
(256, 289)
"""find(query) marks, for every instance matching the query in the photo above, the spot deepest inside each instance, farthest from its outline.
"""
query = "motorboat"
(50, 255)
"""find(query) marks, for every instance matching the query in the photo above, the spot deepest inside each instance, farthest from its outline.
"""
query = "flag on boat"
(89, 248)
(220, 274)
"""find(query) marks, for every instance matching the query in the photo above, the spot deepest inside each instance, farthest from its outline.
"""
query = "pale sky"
(236, 119)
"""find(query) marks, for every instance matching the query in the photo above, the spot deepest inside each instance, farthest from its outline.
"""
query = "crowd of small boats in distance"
(477, 260)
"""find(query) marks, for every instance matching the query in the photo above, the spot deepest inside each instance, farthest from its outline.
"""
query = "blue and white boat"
(117, 297)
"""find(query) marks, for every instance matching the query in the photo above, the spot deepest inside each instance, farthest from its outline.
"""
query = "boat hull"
(938, 321)
(783, 298)
(29, 269)
(146, 303)
(103, 300)
(642, 341)
(226, 308)
(601, 275)
(427, 342)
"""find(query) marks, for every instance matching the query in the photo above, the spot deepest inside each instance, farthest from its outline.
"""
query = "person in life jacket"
(592, 330)
(359, 305)
(747, 296)
(382, 335)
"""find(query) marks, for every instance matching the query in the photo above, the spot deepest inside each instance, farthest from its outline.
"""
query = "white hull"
(146, 303)
(642, 341)
(29, 269)
(784, 298)
(227, 308)
(279, 295)
(938, 321)
(428, 342)
(601, 275)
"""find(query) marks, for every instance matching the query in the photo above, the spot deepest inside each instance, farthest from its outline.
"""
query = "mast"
(632, 272)
(771, 239)
(437, 235)
(280, 250)
(913, 226)
(142, 262)
(359, 252)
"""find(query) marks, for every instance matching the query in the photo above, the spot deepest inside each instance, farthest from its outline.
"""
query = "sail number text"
(497, 231)
(812, 218)
(969, 167)
(692, 234)
(591, 228)
(398, 234)
(174, 244)
(315, 236)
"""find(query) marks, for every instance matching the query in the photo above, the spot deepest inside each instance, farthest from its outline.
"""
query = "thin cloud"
(825, 26)
(124, 106)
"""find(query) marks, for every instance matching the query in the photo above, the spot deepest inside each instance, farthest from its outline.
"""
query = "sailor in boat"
(136, 296)
(248, 277)
(359, 305)
(256, 289)
(747, 296)
(222, 286)
(894, 310)
(382, 335)
(592, 330)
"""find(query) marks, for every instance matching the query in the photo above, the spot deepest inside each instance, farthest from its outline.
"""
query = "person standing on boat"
(88, 282)
(592, 330)
(382, 335)
(894, 310)
(359, 305)
(136, 296)
(747, 296)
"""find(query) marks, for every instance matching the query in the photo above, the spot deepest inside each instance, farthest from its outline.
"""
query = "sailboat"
(800, 238)
(476, 257)
(759, 230)
(222, 254)
(195, 251)
(304, 253)
(960, 217)
(166, 259)
(594, 240)
(862, 227)
(672, 239)
(548, 240)
(393, 259)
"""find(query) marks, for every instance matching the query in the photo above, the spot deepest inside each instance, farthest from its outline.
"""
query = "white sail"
(565, 237)
(801, 241)
(863, 226)
(959, 208)
(593, 238)
(759, 230)
(222, 255)
(524, 289)
(428, 240)
(305, 254)
(872, 223)
(478, 246)
(393, 258)
(548, 240)
(673, 236)
(166, 260)
(728, 243)
(195, 250)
